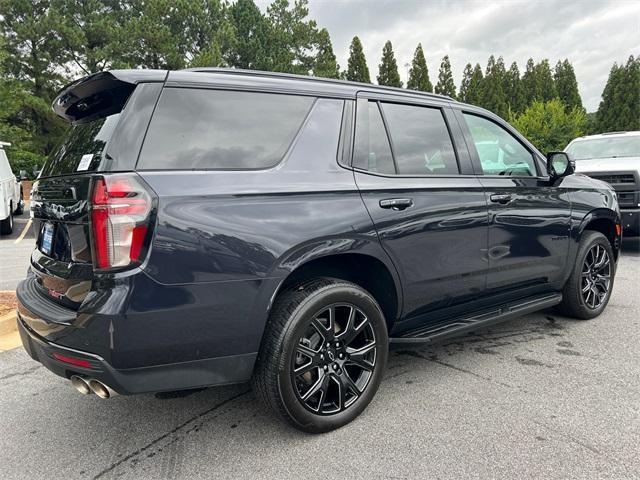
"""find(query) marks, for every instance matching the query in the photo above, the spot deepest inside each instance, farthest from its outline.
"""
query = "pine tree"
(529, 84)
(419, 73)
(632, 89)
(357, 70)
(619, 109)
(325, 61)
(445, 85)
(388, 69)
(493, 97)
(465, 85)
(567, 85)
(545, 86)
(252, 34)
(474, 94)
(513, 90)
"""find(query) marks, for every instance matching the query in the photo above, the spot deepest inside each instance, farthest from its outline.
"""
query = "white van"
(11, 202)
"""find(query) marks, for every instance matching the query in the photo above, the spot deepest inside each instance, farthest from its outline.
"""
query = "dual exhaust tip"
(87, 386)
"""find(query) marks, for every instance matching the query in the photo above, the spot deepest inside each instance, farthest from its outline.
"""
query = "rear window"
(216, 129)
(81, 149)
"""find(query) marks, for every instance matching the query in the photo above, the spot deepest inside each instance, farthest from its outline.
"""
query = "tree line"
(44, 44)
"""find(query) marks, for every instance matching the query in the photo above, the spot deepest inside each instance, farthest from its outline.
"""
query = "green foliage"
(566, 84)
(292, 38)
(529, 85)
(619, 109)
(388, 69)
(252, 36)
(514, 90)
(549, 125)
(357, 70)
(325, 61)
(545, 86)
(445, 85)
(492, 94)
(89, 31)
(471, 86)
(419, 73)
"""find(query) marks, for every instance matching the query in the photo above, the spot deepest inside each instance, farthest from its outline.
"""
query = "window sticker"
(85, 161)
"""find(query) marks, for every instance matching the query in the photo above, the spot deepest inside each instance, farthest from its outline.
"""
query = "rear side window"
(420, 139)
(216, 129)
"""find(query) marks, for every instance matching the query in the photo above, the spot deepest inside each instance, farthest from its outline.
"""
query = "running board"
(482, 319)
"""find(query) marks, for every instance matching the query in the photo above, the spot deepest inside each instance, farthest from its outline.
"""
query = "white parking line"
(24, 232)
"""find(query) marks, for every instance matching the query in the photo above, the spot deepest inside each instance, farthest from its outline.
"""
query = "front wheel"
(587, 292)
(323, 354)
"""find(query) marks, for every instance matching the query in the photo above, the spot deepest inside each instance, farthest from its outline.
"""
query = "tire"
(20, 209)
(299, 322)
(575, 301)
(6, 225)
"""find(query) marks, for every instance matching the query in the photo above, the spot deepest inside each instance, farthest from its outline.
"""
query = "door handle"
(500, 198)
(396, 203)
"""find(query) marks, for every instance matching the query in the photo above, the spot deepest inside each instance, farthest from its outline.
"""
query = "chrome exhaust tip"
(80, 384)
(100, 389)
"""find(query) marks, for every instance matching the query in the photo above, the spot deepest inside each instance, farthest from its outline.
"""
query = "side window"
(372, 150)
(215, 129)
(500, 152)
(421, 141)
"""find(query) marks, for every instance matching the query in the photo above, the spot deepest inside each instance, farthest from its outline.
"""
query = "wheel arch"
(360, 261)
(602, 220)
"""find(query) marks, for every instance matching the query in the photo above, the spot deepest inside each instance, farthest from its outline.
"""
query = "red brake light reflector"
(78, 362)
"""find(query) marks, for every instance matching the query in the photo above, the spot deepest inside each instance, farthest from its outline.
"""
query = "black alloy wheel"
(323, 354)
(596, 276)
(334, 360)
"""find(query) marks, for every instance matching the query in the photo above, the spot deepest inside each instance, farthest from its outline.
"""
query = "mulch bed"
(8, 302)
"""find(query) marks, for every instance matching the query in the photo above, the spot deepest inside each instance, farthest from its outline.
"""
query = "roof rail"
(262, 73)
(4, 144)
(613, 133)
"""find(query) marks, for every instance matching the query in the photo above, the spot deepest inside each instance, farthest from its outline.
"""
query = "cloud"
(592, 35)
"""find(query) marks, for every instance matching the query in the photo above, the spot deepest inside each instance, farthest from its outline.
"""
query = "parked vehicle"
(212, 226)
(11, 202)
(613, 158)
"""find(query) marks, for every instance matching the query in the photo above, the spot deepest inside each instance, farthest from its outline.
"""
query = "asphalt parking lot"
(15, 251)
(540, 397)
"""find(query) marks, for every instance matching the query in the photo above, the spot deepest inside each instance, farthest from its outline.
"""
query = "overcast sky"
(592, 35)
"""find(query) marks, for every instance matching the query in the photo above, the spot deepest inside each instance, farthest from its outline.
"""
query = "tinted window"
(372, 150)
(82, 147)
(499, 151)
(217, 129)
(421, 141)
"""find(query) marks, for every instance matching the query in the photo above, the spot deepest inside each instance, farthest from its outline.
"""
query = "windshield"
(606, 147)
(81, 149)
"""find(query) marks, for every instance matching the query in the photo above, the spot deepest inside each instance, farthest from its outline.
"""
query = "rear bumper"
(630, 222)
(178, 376)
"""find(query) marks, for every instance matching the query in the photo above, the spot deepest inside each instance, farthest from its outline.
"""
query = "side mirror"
(559, 165)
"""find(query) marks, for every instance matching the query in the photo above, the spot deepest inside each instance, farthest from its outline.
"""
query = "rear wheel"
(6, 225)
(323, 354)
(588, 289)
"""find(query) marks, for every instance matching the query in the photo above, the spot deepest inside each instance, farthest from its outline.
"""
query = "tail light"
(121, 207)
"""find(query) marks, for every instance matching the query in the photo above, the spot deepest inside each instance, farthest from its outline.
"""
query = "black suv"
(209, 227)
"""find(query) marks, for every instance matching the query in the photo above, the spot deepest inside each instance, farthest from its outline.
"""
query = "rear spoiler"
(101, 94)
